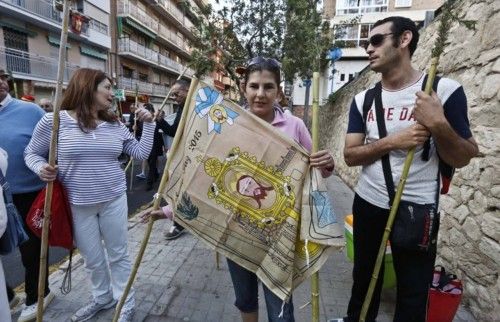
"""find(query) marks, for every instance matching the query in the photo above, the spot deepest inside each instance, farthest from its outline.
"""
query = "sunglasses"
(263, 60)
(376, 40)
(5, 77)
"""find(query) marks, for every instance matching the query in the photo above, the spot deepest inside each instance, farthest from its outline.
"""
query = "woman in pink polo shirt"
(262, 88)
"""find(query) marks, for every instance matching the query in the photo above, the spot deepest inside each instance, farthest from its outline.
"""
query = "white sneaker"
(141, 176)
(29, 312)
(90, 309)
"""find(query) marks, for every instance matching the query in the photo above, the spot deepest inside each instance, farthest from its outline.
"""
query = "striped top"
(88, 162)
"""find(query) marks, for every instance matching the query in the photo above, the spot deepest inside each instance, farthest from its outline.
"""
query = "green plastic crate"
(389, 274)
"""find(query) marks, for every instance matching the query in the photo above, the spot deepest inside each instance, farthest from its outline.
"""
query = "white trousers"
(104, 222)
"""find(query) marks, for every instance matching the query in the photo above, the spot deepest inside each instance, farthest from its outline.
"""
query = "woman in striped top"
(90, 140)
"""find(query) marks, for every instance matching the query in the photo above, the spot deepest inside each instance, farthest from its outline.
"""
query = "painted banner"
(239, 184)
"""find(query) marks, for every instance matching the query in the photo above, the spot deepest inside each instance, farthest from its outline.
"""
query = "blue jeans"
(246, 285)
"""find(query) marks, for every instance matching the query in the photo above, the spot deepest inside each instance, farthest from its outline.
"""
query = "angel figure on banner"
(209, 102)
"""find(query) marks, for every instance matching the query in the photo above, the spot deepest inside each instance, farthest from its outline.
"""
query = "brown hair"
(79, 96)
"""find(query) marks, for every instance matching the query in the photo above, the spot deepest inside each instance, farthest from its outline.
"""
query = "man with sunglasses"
(410, 117)
(179, 94)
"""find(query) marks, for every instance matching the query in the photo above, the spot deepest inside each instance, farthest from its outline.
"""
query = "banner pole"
(315, 148)
(52, 161)
(156, 204)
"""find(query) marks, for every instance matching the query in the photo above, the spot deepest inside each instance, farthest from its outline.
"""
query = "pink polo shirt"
(293, 127)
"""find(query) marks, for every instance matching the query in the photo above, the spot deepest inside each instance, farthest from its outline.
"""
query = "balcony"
(168, 9)
(130, 84)
(139, 52)
(173, 40)
(25, 65)
(125, 8)
(41, 8)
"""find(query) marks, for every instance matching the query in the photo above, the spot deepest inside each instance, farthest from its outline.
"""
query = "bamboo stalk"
(131, 162)
(315, 148)
(156, 203)
(52, 161)
(395, 205)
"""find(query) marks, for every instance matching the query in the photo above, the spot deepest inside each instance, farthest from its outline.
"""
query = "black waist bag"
(415, 226)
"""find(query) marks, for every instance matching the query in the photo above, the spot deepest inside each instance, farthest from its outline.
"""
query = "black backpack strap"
(382, 132)
(367, 103)
(427, 144)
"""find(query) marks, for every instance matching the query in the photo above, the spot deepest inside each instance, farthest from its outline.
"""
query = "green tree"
(259, 24)
(306, 43)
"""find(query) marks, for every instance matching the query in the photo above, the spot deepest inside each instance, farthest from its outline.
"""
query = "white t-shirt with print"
(398, 107)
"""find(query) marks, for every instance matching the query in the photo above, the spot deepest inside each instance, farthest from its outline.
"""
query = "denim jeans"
(104, 222)
(413, 268)
(246, 290)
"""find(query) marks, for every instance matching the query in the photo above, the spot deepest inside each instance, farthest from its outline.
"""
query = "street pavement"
(179, 281)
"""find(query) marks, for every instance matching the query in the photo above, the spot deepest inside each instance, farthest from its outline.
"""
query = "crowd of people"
(92, 137)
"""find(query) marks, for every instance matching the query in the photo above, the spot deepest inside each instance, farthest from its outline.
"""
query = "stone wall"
(470, 227)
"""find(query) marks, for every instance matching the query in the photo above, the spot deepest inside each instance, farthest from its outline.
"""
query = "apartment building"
(152, 46)
(29, 41)
(352, 20)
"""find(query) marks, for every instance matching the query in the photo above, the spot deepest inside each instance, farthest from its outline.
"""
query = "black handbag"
(415, 226)
(14, 234)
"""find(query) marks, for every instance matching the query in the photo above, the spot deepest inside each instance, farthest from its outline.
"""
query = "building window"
(353, 35)
(402, 3)
(351, 77)
(99, 26)
(143, 77)
(347, 7)
(127, 72)
(342, 77)
(17, 53)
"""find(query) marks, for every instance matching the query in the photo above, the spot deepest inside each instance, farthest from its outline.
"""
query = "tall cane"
(52, 156)
(315, 147)
(436, 53)
(131, 162)
(156, 204)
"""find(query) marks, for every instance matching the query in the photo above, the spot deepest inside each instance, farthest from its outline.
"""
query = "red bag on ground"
(61, 229)
(445, 295)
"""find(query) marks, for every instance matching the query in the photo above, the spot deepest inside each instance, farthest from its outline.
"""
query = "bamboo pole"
(315, 148)
(131, 162)
(52, 161)
(156, 203)
(436, 53)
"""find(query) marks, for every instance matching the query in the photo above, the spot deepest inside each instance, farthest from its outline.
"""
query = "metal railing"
(127, 45)
(33, 65)
(127, 8)
(131, 84)
(42, 8)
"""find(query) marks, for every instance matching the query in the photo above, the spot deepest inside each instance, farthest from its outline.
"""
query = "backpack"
(445, 169)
